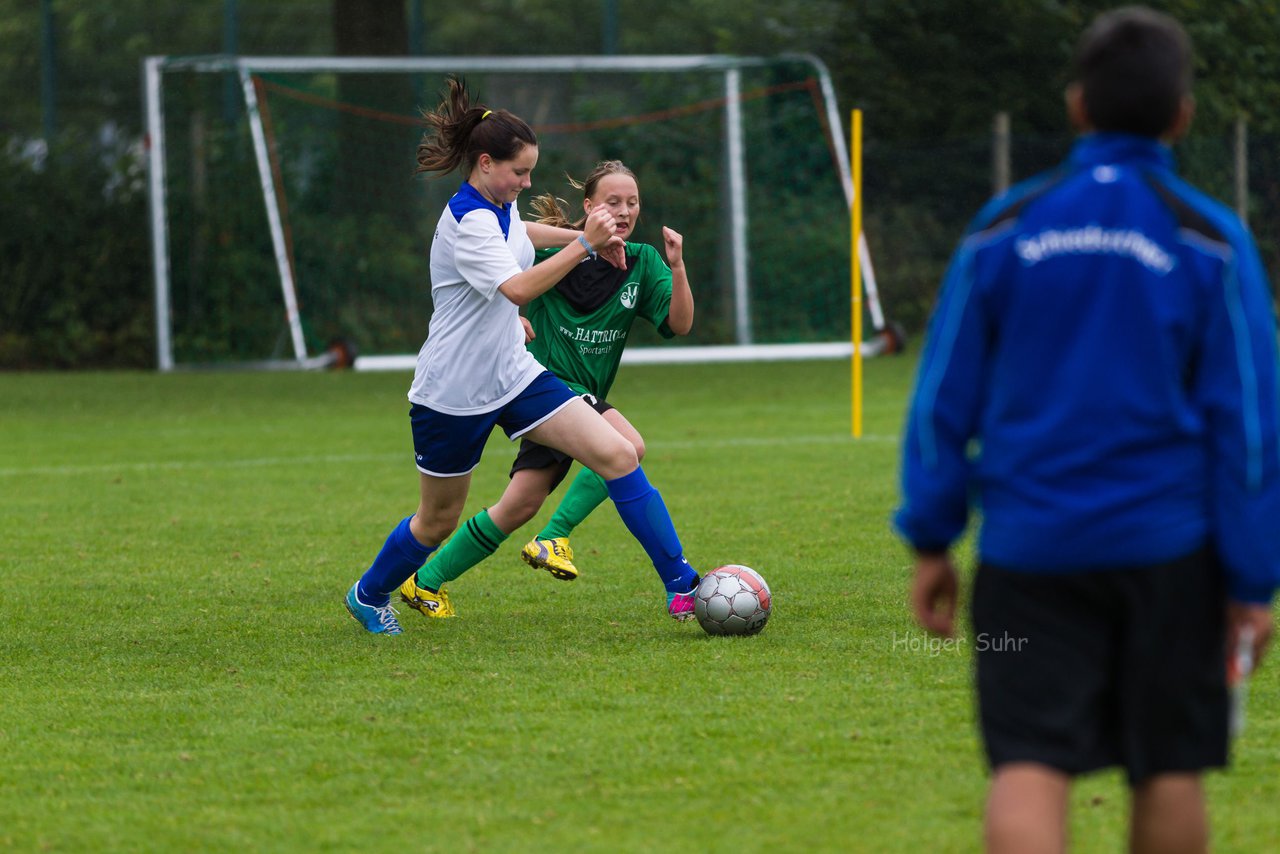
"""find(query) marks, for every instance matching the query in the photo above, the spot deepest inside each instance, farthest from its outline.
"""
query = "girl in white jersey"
(474, 372)
(598, 303)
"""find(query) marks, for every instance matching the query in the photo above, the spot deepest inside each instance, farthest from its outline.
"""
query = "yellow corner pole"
(855, 266)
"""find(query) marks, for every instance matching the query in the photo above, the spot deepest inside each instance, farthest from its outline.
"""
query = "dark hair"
(1134, 68)
(550, 210)
(458, 133)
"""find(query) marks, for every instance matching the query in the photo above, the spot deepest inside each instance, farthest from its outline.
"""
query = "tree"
(383, 182)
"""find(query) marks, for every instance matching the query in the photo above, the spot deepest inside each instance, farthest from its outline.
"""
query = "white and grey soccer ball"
(732, 600)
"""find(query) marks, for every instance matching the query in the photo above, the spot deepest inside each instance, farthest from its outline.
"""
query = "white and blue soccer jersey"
(474, 359)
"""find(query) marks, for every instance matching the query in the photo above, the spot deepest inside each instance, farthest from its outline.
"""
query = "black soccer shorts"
(1095, 669)
(531, 455)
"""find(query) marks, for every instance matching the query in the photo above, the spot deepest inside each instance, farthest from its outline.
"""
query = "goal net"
(289, 229)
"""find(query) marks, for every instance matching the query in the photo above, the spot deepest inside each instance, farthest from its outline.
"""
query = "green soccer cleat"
(555, 556)
(434, 605)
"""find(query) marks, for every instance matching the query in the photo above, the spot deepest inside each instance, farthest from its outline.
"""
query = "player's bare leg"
(521, 500)
(406, 549)
(581, 432)
(1027, 810)
(550, 549)
(440, 504)
(620, 423)
(1168, 816)
(524, 496)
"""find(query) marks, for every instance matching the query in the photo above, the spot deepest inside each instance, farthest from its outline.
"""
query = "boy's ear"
(1182, 121)
(1076, 111)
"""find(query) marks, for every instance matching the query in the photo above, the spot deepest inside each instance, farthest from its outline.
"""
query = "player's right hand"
(934, 593)
(599, 227)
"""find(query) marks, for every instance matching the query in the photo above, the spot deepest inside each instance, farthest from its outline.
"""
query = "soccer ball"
(732, 600)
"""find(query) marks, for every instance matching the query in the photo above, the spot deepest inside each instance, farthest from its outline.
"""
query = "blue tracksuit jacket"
(1100, 379)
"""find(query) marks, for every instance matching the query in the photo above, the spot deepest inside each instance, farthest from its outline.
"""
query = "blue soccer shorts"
(451, 445)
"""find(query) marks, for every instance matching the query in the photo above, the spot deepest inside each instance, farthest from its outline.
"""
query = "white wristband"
(582, 238)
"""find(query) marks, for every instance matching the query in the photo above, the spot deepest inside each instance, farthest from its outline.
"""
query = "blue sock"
(401, 556)
(646, 517)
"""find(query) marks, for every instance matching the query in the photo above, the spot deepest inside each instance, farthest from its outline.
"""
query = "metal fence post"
(1242, 167)
(1000, 166)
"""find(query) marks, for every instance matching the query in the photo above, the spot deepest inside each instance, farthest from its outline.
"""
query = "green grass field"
(178, 672)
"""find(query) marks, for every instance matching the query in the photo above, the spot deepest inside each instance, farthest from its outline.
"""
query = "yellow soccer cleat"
(434, 605)
(555, 556)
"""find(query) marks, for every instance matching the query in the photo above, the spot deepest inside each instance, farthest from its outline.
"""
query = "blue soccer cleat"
(379, 620)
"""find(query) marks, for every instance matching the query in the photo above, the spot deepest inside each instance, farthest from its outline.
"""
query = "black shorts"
(1091, 670)
(534, 456)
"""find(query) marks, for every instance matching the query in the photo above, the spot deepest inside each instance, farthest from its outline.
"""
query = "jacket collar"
(1098, 148)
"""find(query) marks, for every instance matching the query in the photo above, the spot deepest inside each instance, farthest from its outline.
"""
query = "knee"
(639, 446)
(528, 508)
(624, 453)
(511, 513)
(622, 458)
(432, 528)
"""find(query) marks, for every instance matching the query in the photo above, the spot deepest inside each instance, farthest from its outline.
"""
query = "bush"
(75, 260)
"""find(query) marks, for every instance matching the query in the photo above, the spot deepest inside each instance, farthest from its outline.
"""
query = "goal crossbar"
(245, 66)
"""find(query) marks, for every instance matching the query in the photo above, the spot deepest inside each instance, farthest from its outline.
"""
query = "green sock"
(473, 542)
(586, 493)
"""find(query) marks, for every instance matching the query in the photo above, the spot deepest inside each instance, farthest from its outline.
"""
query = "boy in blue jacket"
(1100, 380)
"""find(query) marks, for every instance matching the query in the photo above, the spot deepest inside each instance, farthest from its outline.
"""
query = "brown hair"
(550, 210)
(458, 133)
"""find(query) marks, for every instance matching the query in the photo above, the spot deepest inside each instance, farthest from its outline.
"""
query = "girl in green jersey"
(578, 330)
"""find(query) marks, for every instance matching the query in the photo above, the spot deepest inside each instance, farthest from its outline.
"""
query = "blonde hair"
(550, 210)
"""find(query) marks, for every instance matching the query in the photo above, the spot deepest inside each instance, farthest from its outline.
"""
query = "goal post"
(288, 194)
(268, 171)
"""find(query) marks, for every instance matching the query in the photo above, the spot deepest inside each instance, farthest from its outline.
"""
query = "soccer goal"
(290, 231)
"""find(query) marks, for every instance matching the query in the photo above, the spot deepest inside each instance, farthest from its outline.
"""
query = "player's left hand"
(528, 329)
(673, 243)
(1256, 621)
(934, 592)
(615, 252)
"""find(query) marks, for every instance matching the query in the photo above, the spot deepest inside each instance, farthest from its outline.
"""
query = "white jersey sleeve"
(482, 254)
(474, 359)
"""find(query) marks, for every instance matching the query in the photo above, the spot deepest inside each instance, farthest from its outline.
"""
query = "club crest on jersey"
(629, 294)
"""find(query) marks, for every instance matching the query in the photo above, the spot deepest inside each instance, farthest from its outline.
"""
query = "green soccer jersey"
(581, 325)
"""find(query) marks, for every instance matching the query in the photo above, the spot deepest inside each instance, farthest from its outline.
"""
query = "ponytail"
(549, 210)
(458, 133)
